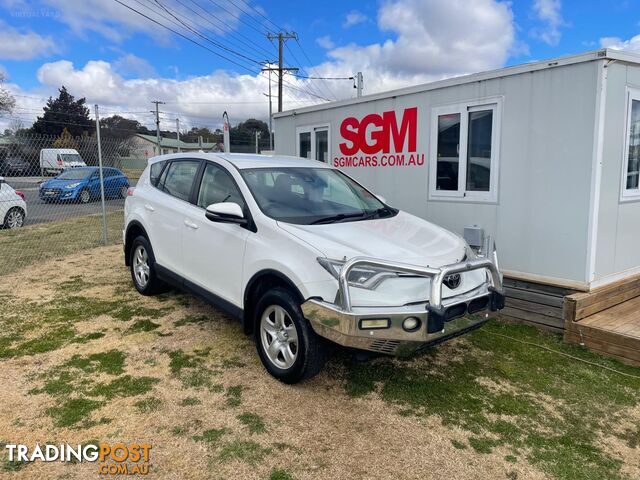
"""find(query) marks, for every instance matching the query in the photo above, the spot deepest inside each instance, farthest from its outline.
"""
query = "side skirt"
(182, 283)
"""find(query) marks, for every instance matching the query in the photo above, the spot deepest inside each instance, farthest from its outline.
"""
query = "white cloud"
(354, 17)
(632, 44)
(325, 42)
(432, 41)
(196, 100)
(23, 45)
(132, 65)
(549, 12)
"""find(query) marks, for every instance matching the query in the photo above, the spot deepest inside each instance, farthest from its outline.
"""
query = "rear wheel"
(84, 196)
(143, 270)
(288, 347)
(14, 218)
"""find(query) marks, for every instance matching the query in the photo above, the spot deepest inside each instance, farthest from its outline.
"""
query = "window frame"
(463, 109)
(193, 184)
(628, 194)
(195, 192)
(312, 129)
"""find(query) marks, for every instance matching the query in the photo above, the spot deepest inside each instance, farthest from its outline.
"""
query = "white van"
(54, 160)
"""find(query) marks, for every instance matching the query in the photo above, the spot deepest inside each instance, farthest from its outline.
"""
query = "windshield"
(71, 157)
(75, 174)
(309, 196)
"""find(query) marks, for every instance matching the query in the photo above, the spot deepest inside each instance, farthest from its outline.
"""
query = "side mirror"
(381, 198)
(226, 212)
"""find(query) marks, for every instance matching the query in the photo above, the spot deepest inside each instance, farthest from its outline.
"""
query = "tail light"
(130, 191)
(20, 194)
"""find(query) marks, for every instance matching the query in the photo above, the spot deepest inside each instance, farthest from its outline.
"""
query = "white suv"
(302, 254)
(13, 208)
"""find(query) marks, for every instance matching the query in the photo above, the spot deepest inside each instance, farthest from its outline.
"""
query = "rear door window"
(179, 178)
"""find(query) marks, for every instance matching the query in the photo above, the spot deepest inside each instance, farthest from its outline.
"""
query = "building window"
(313, 142)
(465, 142)
(631, 166)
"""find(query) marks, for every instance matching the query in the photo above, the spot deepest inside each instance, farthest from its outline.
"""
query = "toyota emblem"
(452, 281)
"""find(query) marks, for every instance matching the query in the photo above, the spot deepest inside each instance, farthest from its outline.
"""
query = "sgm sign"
(380, 140)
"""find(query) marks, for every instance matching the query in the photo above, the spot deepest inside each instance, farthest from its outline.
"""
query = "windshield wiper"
(378, 213)
(337, 218)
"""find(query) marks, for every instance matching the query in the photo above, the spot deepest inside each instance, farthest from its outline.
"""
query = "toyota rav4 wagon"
(305, 257)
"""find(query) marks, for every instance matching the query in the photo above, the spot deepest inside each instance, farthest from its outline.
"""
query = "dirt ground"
(202, 399)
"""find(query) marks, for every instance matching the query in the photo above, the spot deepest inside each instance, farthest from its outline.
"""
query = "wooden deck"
(607, 320)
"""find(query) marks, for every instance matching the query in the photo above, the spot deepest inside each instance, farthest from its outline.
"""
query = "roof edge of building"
(594, 55)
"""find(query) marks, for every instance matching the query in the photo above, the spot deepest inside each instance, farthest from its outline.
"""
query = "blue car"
(83, 184)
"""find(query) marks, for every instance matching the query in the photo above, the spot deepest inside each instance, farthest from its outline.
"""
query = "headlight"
(361, 277)
(72, 185)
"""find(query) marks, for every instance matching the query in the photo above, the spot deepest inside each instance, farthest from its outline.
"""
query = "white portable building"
(542, 156)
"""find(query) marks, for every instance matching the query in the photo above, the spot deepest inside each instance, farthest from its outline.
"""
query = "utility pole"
(157, 112)
(104, 210)
(282, 37)
(178, 133)
(359, 84)
(270, 109)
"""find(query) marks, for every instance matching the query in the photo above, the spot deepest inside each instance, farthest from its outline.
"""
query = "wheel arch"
(259, 283)
(134, 229)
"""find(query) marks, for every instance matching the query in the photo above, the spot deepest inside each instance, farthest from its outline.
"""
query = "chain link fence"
(51, 195)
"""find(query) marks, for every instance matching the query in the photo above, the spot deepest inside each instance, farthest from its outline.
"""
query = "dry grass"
(212, 411)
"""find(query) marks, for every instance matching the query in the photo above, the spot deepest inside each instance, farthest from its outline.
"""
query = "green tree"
(63, 113)
(120, 127)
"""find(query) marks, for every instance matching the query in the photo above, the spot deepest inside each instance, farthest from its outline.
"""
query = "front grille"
(384, 346)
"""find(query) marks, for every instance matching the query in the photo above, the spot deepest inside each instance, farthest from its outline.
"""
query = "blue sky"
(109, 54)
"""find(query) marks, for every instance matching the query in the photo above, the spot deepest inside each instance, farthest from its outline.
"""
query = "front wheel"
(287, 345)
(85, 196)
(124, 191)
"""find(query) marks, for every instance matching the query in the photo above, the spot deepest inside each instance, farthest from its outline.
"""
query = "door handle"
(149, 207)
(190, 224)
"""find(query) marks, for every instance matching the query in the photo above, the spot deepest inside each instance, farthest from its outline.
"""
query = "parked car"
(14, 166)
(82, 184)
(13, 208)
(55, 160)
(302, 254)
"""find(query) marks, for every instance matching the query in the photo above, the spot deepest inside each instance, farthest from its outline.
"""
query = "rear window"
(179, 178)
(156, 171)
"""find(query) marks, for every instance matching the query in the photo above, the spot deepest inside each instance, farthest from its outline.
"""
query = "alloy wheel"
(279, 337)
(141, 266)
(15, 219)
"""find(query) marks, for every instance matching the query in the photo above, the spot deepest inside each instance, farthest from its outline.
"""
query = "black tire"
(12, 216)
(124, 191)
(153, 285)
(312, 351)
(84, 196)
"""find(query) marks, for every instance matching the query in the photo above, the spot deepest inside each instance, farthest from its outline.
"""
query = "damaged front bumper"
(384, 329)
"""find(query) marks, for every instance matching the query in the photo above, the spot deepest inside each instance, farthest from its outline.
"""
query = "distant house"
(145, 146)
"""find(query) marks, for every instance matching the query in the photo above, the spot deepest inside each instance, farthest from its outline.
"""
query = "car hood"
(402, 238)
(57, 183)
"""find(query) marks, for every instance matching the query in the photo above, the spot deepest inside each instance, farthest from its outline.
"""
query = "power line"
(205, 37)
(262, 15)
(195, 42)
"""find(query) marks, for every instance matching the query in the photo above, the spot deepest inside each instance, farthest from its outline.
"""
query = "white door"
(166, 208)
(214, 251)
